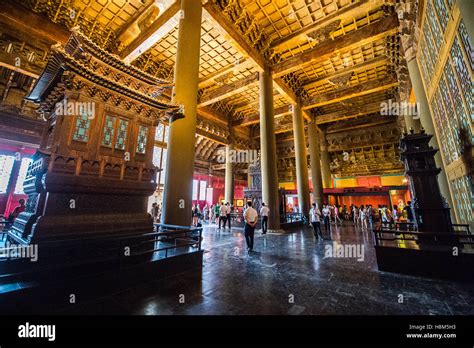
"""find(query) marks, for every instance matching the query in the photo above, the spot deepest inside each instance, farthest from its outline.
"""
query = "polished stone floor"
(286, 274)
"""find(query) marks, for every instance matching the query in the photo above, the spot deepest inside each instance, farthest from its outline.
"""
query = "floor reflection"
(283, 266)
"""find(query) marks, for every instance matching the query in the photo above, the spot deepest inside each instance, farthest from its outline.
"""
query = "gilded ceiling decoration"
(339, 58)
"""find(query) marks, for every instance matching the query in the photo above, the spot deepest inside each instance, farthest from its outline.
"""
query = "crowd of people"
(364, 217)
(221, 215)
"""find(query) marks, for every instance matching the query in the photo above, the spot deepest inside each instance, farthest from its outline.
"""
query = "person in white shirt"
(327, 218)
(315, 218)
(227, 214)
(222, 214)
(250, 217)
(264, 211)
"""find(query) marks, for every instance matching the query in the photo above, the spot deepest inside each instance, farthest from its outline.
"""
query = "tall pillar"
(177, 196)
(268, 150)
(301, 160)
(229, 175)
(427, 123)
(325, 160)
(316, 177)
(466, 8)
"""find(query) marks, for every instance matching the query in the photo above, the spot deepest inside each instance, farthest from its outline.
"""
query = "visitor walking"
(196, 213)
(227, 214)
(395, 214)
(222, 214)
(370, 215)
(250, 218)
(315, 218)
(205, 213)
(264, 211)
(409, 212)
(154, 212)
(355, 214)
(327, 217)
(363, 217)
(217, 211)
(336, 215)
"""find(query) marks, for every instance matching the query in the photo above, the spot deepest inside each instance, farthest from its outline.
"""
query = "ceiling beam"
(212, 114)
(210, 79)
(165, 22)
(385, 26)
(288, 93)
(250, 105)
(26, 68)
(232, 34)
(248, 51)
(31, 23)
(384, 120)
(348, 114)
(367, 65)
(278, 112)
(350, 11)
(228, 90)
(350, 92)
(211, 136)
(338, 116)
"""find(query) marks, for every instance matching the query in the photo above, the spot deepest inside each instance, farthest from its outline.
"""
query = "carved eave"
(79, 40)
(72, 68)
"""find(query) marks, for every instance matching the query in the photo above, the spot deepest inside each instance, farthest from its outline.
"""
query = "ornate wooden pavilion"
(303, 81)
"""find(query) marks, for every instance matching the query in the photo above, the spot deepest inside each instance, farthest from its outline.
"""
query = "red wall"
(216, 189)
(361, 200)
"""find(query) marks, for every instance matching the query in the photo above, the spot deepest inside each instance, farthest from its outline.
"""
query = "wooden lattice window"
(142, 138)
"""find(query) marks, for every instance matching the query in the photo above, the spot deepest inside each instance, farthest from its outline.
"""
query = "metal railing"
(410, 226)
(85, 251)
(292, 217)
(404, 238)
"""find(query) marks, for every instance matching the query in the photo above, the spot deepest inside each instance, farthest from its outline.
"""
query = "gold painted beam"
(386, 26)
(350, 92)
(228, 90)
